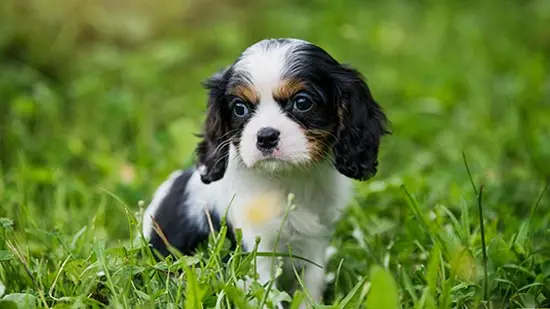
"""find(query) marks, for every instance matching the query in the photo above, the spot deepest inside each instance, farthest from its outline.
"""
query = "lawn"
(100, 100)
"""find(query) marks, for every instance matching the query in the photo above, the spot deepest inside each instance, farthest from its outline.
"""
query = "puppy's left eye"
(240, 109)
(302, 102)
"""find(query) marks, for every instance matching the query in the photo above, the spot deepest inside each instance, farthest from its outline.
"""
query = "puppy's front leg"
(263, 268)
(264, 264)
(314, 283)
(314, 276)
(267, 267)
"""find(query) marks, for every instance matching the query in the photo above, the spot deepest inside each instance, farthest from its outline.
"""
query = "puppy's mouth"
(271, 160)
(270, 154)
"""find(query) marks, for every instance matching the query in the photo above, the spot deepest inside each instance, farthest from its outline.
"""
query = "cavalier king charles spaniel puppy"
(285, 119)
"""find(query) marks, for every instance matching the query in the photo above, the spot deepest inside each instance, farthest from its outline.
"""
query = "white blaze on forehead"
(265, 63)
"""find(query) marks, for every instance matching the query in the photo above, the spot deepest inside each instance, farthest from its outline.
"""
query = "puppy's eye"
(302, 102)
(240, 109)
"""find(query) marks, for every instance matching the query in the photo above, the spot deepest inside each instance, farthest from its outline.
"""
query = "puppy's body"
(319, 196)
(284, 120)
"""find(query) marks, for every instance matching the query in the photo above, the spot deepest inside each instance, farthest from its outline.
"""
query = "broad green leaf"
(6, 223)
(194, 293)
(8, 304)
(383, 292)
(26, 301)
(521, 238)
(499, 252)
(464, 265)
(5, 255)
(299, 297)
(427, 301)
(237, 297)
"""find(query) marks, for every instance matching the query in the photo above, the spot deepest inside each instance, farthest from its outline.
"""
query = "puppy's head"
(286, 103)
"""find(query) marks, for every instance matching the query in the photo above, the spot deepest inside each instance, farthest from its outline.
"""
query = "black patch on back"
(172, 216)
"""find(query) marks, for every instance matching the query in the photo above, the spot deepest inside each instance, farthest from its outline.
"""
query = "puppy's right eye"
(240, 109)
(302, 102)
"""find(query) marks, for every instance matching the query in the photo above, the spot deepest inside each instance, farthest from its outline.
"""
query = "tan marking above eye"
(288, 88)
(247, 93)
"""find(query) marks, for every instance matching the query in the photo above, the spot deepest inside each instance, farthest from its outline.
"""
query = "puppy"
(285, 119)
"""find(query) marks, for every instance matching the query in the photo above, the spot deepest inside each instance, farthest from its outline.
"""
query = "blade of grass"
(16, 252)
(483, 246)
(100, 255)
(429, 230)
(539, 199)
(408, 285)
(481, 226)
(469, 172)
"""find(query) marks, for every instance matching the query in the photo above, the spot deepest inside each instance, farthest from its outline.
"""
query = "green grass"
(98, 107)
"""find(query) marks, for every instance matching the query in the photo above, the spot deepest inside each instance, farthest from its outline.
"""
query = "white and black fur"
(284, 118)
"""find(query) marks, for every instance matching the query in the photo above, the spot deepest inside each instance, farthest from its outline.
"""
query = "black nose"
(267, 138)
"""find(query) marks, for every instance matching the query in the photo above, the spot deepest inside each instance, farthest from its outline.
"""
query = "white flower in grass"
(330, 252)
(329, 277)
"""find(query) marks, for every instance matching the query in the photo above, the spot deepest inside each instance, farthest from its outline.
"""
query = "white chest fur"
(259, 201)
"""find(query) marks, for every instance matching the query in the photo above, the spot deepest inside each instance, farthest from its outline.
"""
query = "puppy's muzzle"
(267, 139)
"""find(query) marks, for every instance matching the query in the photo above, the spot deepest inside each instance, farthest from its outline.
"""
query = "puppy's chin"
(275, 162)
(271, 165)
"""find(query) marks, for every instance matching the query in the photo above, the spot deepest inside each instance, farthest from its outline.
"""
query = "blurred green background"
(101, 98)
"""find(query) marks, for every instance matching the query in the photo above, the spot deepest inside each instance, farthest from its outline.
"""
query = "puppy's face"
(282, 111)
(288, 104)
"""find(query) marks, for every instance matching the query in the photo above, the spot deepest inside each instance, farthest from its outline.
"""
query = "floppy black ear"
(213, 150)
(362, 124)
